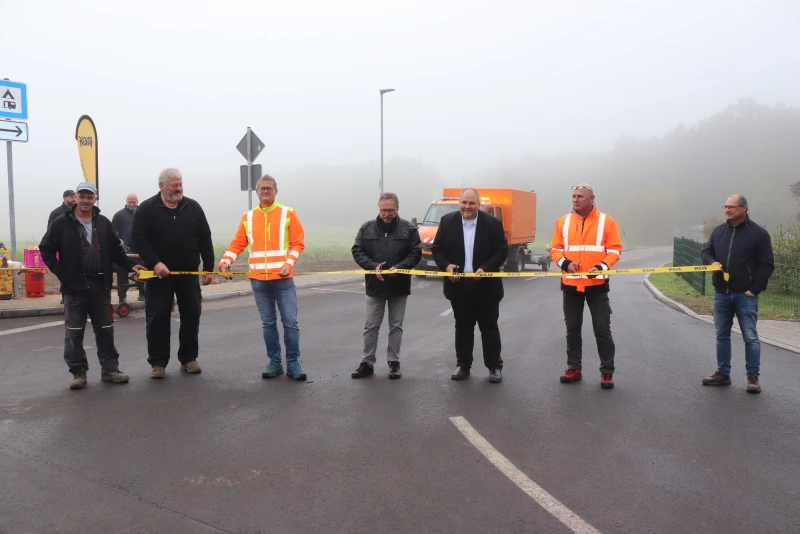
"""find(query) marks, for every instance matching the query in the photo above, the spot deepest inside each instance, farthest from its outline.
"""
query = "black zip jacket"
(397, 244)
(123, 224)
(65, 236)
(61, 210)
(178, 241)
(745, 252)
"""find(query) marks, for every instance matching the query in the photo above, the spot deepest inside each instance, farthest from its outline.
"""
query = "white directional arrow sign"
(13, 131)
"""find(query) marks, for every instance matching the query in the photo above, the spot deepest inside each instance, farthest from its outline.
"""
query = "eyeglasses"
(731, 207)
(388, 211)
(266, 189)
(575, 187)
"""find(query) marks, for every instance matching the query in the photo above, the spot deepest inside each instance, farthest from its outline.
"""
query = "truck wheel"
(516, 261)
(546, 266)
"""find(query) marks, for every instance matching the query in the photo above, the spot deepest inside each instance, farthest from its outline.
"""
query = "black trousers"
(95, 303)
(469, 308)
(158, 312)
(600, 308)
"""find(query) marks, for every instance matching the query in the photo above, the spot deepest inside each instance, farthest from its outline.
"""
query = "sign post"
(13, 105)
(250, 147)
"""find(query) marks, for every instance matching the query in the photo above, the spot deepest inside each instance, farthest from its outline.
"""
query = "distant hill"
(652, 186)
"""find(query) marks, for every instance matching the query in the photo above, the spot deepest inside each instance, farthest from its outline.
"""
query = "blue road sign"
(13, 100)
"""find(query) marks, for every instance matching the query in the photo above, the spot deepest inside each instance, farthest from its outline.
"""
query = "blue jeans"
(746, 310)
(267, 293)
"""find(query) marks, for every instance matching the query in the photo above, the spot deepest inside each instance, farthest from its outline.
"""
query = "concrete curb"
(30, 312)
(136, 305)
(681, 308)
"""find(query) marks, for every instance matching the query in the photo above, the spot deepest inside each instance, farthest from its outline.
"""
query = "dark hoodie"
(745, 252)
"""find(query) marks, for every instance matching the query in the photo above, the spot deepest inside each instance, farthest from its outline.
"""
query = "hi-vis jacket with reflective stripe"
(591, 242)
(273, 237)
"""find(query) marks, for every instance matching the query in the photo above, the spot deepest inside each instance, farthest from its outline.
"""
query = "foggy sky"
(177, 83)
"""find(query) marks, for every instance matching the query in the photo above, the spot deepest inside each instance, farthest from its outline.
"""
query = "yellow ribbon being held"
(147, 275)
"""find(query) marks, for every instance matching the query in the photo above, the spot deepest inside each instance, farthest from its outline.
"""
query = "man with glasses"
(586, 240)
(386, 243)
(744, 250)
(273, 236)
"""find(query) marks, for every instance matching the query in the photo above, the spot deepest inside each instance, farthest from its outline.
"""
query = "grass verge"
(772, 304)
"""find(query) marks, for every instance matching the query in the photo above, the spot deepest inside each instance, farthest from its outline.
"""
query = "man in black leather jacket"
(744, 250)
(382, 244)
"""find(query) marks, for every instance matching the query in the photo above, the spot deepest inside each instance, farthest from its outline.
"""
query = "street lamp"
(382, 92)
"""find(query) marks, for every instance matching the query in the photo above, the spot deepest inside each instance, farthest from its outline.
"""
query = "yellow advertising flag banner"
(86, 137)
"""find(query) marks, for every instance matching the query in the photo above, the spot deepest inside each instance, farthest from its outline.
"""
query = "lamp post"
(382, 92)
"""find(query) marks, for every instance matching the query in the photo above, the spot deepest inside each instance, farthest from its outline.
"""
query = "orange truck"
(515, 208)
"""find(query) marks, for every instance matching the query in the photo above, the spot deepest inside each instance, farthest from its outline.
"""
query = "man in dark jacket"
(472, 241)
(87, 246)
(383, 244)
(170, 232)
(123, 223)
(744, 250)
(65, 207)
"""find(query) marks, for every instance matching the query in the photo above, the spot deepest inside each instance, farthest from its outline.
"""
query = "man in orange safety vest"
(586, 240)
(273, 236)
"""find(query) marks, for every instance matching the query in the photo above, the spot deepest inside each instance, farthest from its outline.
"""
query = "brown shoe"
(753, 385)
(78, 381)
(191, 367)
(717, 379)
(157, 372)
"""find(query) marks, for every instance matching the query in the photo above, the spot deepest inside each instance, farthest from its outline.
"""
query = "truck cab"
(517, 211)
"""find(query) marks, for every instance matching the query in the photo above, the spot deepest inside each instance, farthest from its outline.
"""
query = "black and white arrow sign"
(13, 131)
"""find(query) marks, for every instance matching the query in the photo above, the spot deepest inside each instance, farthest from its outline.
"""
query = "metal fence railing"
(687, 252)
(784, 285)
(783, 292)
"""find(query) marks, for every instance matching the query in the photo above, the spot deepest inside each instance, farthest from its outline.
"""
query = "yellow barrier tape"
(146, 275)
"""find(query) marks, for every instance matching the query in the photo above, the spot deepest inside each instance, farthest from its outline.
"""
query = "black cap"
(68, 193)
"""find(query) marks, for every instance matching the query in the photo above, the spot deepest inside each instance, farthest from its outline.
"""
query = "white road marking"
(536, 278)
(335, 290)
(29, 328)
(447, 312)
(569, 518)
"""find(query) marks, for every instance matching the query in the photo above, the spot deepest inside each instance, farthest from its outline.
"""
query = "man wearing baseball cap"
(87, 246)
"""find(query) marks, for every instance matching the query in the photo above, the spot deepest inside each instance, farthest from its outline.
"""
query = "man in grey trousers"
(384, 244)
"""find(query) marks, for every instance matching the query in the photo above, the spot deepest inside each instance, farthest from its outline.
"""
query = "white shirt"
(469, 241)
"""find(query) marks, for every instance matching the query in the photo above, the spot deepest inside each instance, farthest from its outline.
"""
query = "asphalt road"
(226, 451)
